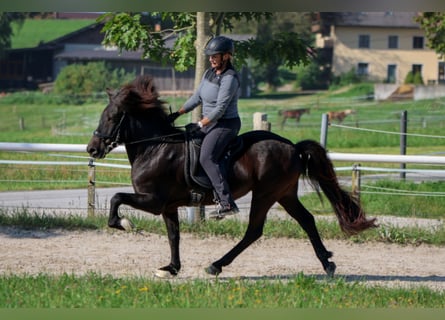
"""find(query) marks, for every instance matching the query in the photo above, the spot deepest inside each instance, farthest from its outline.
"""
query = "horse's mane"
(139, 95)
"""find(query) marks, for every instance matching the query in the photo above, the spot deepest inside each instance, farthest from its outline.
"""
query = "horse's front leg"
(150, 203)
(172, 223)
(145, 202)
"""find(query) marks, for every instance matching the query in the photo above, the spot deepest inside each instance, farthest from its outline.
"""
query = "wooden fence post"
(324, 129)
(403, 130)
(91, 187)
(356, 181)
(21, 123)
(260, 122)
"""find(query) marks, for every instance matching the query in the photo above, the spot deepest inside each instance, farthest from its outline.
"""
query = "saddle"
(195, 176)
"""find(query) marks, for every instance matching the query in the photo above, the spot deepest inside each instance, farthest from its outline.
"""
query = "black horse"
(267, 165)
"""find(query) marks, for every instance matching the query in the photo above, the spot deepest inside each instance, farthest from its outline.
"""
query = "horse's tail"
(319, 169)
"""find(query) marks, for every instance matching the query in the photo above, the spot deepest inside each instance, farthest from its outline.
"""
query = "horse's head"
(125, 104)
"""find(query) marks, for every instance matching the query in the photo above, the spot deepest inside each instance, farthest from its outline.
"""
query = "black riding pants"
(217, 137)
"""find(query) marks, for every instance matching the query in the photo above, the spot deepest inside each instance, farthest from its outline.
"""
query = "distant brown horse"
(267, 165)
(293, 114)
(339, 115)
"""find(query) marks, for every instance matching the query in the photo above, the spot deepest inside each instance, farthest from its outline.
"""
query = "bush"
(79, 82)
(350, 77)
(414, 78)
(312, 77)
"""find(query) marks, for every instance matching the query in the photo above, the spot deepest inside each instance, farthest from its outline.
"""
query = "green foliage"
(127, 31)
(418, 78)
(433, 25)
(350, 77)
(311, 77)
(77, 82)
(299, 291)
(7, 19)
(414, 78)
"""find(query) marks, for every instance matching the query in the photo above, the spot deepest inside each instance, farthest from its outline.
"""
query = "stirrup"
(221, 213)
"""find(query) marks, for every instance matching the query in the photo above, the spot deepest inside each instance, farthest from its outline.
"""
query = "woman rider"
(220, 122)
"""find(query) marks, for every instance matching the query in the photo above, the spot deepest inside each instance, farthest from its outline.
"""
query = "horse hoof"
(163, 274)
(126, 224)
(214, 271)
(167, 272)
(330, 269)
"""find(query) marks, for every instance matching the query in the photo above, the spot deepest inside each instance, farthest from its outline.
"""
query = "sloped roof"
(100, 54)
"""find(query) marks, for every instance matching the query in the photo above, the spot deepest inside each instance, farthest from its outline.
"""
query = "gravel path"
(124, 254)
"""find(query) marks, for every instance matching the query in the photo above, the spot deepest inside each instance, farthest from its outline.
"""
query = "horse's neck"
(144, 148)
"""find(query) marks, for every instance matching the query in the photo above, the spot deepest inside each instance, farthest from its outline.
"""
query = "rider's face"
(215, 60)
(218, 61)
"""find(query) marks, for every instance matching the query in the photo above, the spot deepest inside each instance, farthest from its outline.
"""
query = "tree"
(292, 23)
(191, 31)
(433, 23)
(6, 31)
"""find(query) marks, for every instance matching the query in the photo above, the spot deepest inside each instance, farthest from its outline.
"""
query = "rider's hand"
(173, 116)
(192, 127)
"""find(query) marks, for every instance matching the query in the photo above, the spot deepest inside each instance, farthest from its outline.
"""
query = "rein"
(113, 140)
(158, 139)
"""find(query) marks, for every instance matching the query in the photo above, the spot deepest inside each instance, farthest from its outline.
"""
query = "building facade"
(381, 46)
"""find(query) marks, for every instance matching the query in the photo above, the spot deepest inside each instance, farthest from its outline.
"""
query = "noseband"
(113, 140)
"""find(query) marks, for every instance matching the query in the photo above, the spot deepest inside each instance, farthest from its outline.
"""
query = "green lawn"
(35, 31)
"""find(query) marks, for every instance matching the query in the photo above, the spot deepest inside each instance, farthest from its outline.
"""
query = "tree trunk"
(202, 36)
(196, 214)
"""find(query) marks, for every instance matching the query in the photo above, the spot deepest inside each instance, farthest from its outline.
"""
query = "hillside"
(35, 31)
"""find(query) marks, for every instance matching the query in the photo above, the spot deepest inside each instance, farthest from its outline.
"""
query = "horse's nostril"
(92, 151)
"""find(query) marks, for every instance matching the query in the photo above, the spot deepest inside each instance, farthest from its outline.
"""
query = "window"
(393, 42)
(364, 41)
(391, 73)
(417, 42)
(362, 69)
(416, 68)
(441, 75)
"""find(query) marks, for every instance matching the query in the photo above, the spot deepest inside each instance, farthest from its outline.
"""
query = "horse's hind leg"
(258, 212)
(297, 211)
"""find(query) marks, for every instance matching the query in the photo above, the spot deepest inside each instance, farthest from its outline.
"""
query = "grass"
(102, 291)
(274, 228)
(390, 197)
(34, 31)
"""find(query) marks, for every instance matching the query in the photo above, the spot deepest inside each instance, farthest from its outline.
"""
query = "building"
(31, 68)
(383, 47)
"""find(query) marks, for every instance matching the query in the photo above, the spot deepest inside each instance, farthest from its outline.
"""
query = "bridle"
(112, 140)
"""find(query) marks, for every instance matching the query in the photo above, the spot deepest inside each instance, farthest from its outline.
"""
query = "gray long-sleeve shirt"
(218, 95)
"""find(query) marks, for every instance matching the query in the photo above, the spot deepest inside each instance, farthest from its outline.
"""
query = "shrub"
(79, 82)
(414, 78)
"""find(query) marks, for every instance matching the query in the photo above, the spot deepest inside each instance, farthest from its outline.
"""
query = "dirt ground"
(124, 254)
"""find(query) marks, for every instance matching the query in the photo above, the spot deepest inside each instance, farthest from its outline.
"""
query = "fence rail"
(334, 156)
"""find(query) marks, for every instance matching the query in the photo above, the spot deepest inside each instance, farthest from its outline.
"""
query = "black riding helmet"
(219, 44)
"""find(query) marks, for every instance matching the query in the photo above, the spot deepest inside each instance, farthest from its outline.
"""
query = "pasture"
(74, 124)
